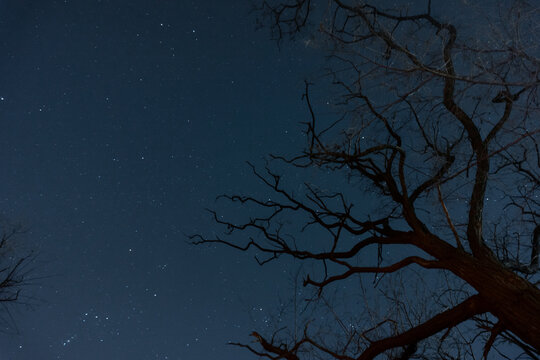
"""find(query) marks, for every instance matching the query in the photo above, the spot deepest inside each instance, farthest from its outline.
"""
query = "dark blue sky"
(121, 121)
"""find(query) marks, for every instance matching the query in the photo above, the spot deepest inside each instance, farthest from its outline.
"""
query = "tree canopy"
(434, 125)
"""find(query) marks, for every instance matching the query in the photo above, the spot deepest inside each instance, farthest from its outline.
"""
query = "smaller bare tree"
(15, 272)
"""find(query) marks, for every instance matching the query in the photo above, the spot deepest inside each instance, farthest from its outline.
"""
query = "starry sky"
(121, 122)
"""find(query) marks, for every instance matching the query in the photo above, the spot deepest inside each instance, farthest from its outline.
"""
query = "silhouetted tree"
(437, 136)
(15, 270)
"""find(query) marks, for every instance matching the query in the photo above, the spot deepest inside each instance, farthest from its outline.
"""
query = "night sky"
(121, 122)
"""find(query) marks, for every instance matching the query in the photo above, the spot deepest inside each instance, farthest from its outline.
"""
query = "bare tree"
(15, 271)
(437, 134)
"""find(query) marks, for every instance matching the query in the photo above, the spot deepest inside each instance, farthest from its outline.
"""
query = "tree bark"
(512, 299)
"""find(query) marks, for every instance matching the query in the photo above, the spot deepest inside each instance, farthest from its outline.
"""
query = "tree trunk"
(513, 300)
(509, 297)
